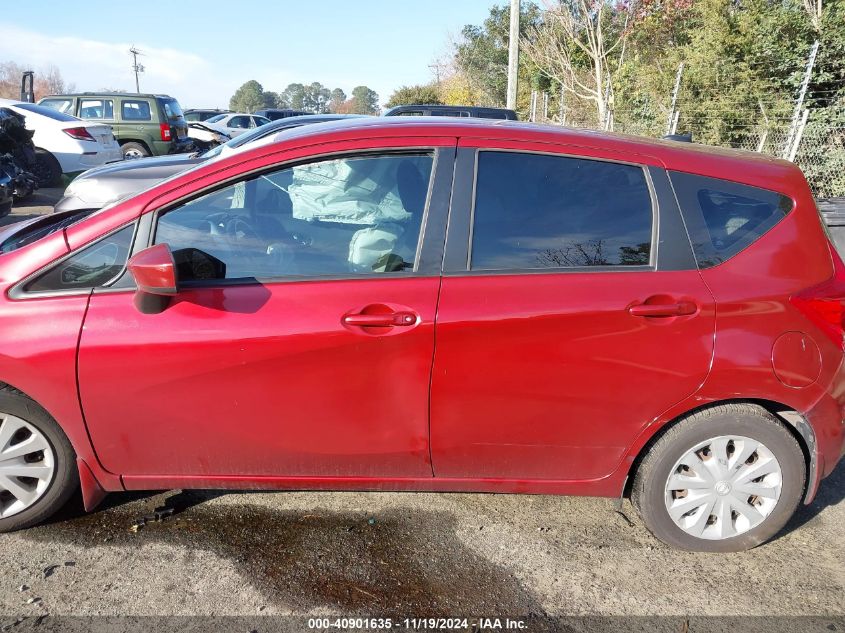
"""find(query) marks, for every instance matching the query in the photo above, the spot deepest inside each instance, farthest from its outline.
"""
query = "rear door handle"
(681, 308)
(391, 319)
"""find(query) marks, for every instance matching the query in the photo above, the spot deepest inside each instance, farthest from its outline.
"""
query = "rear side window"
(96, 109)
(536, 211)
(722, 217)
(136, 111)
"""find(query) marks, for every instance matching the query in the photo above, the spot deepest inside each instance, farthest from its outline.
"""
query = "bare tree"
(814, 12)
(571, 33)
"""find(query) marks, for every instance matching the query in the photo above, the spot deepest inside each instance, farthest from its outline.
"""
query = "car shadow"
(170, 501)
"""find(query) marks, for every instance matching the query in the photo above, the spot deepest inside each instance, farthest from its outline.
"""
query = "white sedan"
(235, 123)
(65, 144)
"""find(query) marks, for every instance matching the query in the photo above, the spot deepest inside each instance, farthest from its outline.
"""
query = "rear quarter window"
(723, 217)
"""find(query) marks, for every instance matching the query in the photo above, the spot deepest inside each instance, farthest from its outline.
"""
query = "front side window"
(96, 109)
(60, 105)
(333, 217)
(538, 211)
(725, 217)
(90, 267)
(136, 111)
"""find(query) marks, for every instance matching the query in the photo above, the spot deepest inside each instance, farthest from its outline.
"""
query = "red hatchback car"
(442, 305)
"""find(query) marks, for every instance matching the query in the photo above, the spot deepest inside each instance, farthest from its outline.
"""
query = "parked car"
(98, 187)
(236, 123)
(280, 113)
(64, 144)
(458, 111)
(144, 124)
(607, 310)
(200, 115)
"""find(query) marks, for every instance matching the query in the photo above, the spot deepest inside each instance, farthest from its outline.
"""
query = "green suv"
(144, 125)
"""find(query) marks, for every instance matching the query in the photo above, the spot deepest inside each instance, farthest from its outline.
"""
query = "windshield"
(50, 113)
(215, 119)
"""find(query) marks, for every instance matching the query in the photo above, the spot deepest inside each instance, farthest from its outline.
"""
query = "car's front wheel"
(724, 479)
(37, 463)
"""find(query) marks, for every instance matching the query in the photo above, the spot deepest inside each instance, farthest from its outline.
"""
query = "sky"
(200, 51)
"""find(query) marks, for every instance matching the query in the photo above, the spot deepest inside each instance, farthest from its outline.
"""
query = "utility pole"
(136, 67)
(672, 120)
(799, 103)
(513, 54)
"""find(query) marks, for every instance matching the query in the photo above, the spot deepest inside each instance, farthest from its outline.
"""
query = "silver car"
(98, 187)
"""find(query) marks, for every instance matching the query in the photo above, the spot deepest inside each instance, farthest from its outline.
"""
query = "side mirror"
(154, 271)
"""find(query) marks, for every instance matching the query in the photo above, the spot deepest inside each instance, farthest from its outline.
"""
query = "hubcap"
(723, 487)
(133, 153)
(27, 465)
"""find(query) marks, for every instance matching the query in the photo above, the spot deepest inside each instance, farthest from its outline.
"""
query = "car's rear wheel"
(724, 479)
(47, 169)
(134, 150)
(37, 463)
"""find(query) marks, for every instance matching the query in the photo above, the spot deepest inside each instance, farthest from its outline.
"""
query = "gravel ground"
(433, 554)
(260, 554)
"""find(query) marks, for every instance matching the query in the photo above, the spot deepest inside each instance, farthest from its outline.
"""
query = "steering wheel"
(231, 226)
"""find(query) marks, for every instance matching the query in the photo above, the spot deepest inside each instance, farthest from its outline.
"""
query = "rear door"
(571, 312)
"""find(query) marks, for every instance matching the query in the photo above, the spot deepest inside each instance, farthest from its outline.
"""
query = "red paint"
(548, 383)
(154, 270)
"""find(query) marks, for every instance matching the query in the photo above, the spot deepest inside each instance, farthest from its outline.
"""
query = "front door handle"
(681, 308)
(389, 319)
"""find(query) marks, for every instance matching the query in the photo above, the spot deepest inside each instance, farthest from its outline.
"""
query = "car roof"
(131, 95)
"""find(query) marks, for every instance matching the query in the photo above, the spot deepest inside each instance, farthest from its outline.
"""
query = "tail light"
(79, 133)
(166, 134)
(824, 304)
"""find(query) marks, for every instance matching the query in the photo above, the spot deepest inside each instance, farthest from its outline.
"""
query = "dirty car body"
(268, 319)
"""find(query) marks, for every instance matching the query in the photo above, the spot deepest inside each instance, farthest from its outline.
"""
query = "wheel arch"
(91, 475)
(139, 141)
(791, 419)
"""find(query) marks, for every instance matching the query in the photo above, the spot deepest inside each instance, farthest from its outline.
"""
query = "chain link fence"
(816, 144)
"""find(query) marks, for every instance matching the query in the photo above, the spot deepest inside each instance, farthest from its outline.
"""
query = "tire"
(134, 150)
(47, 169)
(734, 522)
(58, 486)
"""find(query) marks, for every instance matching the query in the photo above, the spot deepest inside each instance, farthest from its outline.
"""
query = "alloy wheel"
(723, 487)
(27, 465)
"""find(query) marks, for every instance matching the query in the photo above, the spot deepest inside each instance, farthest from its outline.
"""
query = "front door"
(571, 313)
(301, 342)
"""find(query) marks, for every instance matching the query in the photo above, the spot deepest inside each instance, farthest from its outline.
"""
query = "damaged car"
(63, 143)
(98, 187)
(18, 159)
